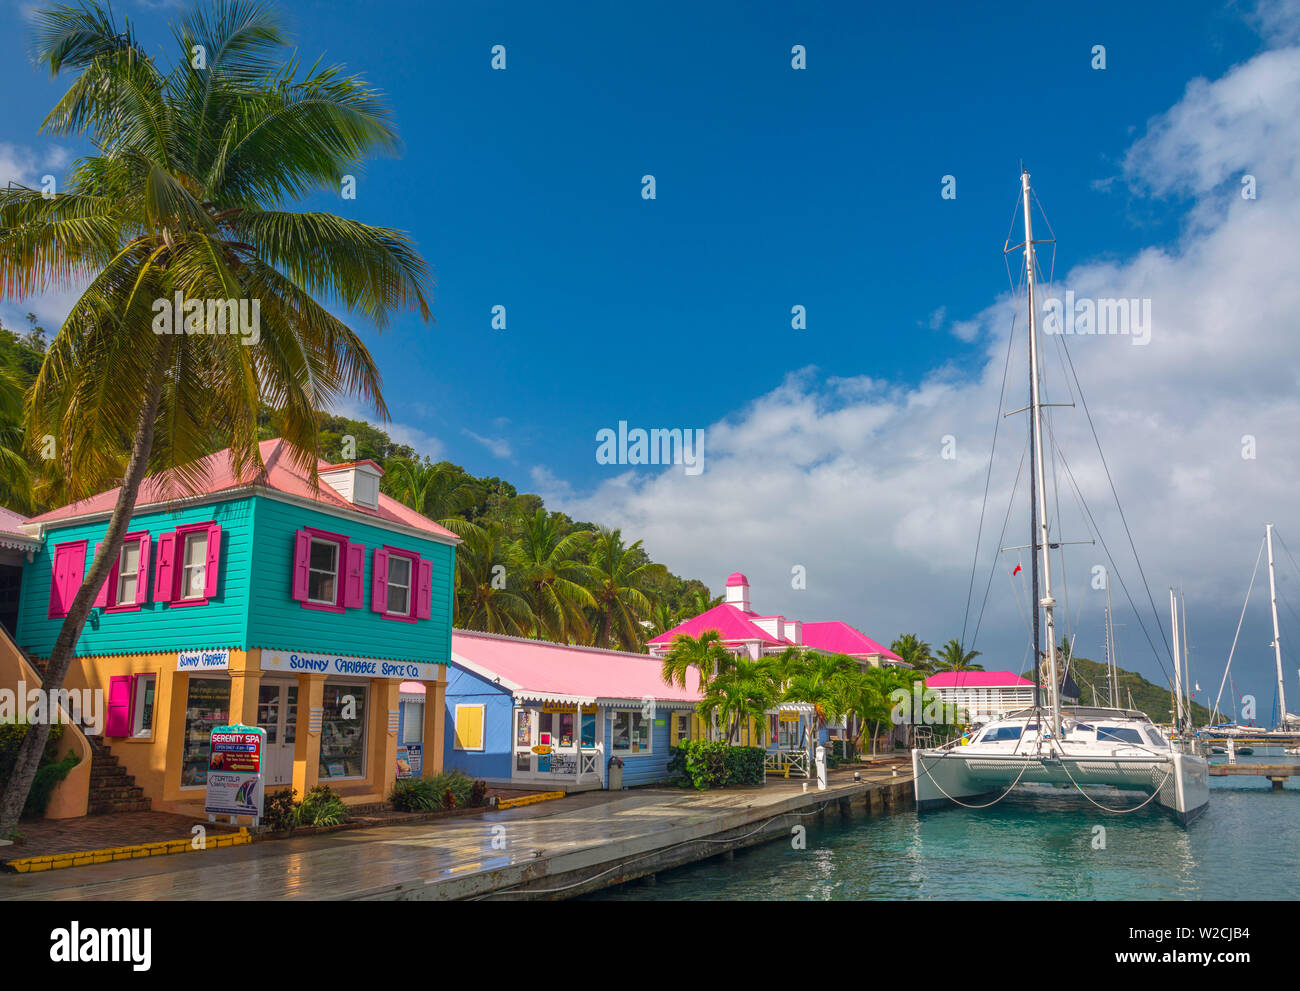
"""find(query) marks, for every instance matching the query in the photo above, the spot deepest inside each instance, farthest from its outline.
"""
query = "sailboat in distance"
(1080, 747)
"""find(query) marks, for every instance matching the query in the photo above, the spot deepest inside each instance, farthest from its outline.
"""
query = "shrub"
(451, 790)
(703, 764)
(415, 795)
(280, 811)
(478, 793)
(49, 771)
(322, 807)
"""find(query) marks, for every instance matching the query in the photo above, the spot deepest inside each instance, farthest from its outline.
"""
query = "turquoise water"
(1247, 846)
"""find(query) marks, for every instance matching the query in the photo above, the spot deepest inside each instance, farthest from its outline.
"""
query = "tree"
(954, 657)
(914, 651)
(706, 653)
(618, 578)
(818, 681)
(544, 563)
(741, 693)
(441, 492)
(486, 598)
(185, 198)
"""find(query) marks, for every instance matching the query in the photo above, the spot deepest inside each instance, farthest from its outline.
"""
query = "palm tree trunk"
(875, 736)
(33, 745)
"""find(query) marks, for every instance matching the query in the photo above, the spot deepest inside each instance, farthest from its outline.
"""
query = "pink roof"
(976, 679)
(731, 623)
(736, 578)
(538, 668)
(837, 637)
(9, 521)
(279, 474)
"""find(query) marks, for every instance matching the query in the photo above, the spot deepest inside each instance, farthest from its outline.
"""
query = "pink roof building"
(977, 679)
(742, 629)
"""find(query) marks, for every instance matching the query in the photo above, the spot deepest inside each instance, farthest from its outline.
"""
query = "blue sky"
(778, 187)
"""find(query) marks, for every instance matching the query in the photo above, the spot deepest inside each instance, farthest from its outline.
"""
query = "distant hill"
(1154, 700)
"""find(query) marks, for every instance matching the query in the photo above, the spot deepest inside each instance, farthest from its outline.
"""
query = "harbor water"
(1042, 846)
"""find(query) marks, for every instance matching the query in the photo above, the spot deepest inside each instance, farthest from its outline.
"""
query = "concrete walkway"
(461, 858)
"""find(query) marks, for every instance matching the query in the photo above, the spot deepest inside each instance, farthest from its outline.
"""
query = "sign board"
(359, 667)
(561, 707)
(542, 749)
(409, 760)
(203, 660)
(788, 717)
(234, 786)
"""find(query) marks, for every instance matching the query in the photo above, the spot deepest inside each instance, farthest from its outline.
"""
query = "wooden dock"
(547, 851)
(1276, 773)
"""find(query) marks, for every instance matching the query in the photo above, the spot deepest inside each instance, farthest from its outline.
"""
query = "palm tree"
(619, 577)
(818, 682)
(706, 653)
(544, 563)
(185, 196)
(914, 651)
(439, 491)
(487, 598)
(15, 473)
(702, 602)
(740, 694)
(954, 657)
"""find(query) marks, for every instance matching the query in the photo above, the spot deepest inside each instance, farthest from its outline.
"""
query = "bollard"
(821, 768)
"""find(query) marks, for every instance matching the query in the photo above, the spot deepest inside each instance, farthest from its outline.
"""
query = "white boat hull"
(944, 778)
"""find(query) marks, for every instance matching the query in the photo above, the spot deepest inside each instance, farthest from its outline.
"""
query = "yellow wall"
(155, 761)
(751, 734)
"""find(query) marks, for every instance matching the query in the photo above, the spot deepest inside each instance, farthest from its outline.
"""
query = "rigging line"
(1019, 600)
(1002, 537)
(1277, 534)
(1168, 774)
(1132, 546)
(1110, 558)
(997, 426)
(1060, 523)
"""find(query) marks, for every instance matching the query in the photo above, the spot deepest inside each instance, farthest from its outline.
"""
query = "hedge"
(703, 764)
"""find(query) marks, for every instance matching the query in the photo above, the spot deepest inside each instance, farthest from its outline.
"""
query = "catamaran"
(1082, 747)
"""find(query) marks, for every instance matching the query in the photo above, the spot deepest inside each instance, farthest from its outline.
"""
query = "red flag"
(1016, 572)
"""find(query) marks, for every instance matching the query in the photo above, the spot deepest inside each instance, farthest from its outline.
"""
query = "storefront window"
(631, 733)
(207, 706)
(588, 729)
(566, 729)
(343, 732)
(413, 722)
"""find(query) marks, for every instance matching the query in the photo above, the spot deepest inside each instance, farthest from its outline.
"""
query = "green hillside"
(1154, 700)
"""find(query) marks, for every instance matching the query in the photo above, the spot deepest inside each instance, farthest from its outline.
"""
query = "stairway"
(111, 788)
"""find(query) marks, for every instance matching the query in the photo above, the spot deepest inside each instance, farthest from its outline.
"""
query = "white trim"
(482, 727)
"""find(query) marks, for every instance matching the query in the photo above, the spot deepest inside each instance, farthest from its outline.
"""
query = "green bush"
(702, 764)
(322, 807)
(49, 772)
(450, 790)
(280, 811)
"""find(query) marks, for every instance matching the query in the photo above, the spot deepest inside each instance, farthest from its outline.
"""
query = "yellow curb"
(514, 803)
(80, 858)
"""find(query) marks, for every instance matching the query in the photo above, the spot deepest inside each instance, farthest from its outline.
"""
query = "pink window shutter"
(57, 583)
(379, 582)
(101, 598)
(354, 576)
(212, 567)
(164, 579)
(142, 583)
(119, 706)
(301, 559)
(425, 590)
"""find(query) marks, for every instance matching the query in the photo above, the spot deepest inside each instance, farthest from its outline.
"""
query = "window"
(128, 574)
(323, 572)
(412, 722)
(1118, 734)
(207, 705)
(142, 705)
(1000, 734)
(631, 733)
(69, 567)
(194, 558)
(343, 732)
(399, 585)
(469, 727)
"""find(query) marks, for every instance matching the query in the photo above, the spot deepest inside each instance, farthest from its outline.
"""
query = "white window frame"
(410, 581)
(188, 537)
(632, 714)
(455, 721)
(338, 549)
(123, 574)
(138, 732)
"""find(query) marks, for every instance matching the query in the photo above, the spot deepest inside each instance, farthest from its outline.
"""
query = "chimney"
(738, 591)
(355, 481)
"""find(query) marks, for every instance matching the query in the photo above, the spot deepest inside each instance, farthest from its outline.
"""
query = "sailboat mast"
(1178, 667)
(1277, 638)
(1187, 664)
(1041, 538)
(1112, 668)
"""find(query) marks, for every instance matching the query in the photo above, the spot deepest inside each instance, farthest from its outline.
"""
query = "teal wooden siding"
(221, 623)
(276, 620)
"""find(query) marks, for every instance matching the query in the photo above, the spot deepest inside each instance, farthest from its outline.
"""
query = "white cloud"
(424, 444)
(499, 446)
(845, 477)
